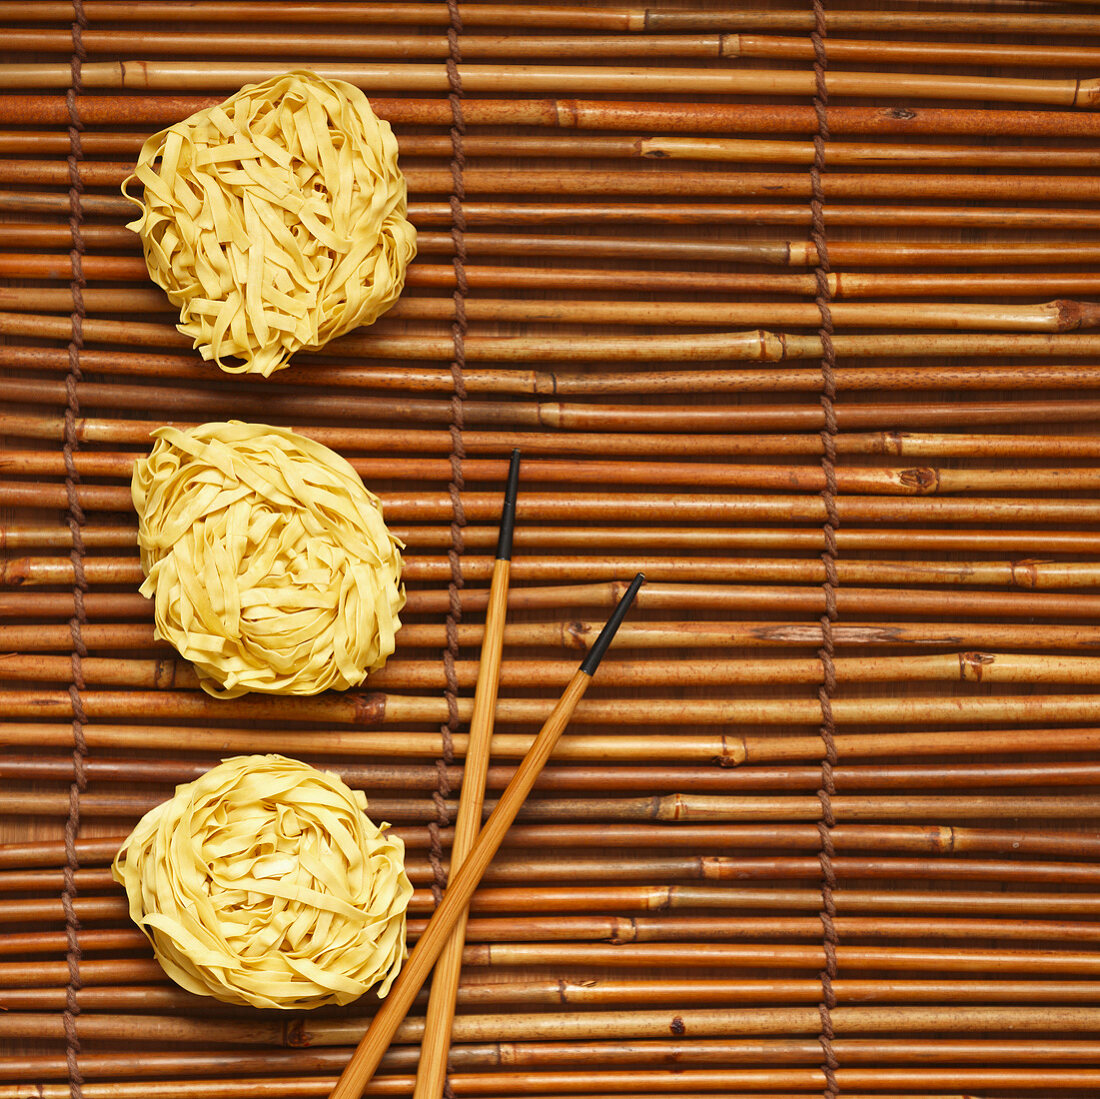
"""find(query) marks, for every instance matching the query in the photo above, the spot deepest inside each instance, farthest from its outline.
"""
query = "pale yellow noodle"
(270, 564)
(275, 220)
(264, 883)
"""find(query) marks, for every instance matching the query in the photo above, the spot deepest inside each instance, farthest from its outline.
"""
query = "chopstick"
(436, 1044)
(461, 888)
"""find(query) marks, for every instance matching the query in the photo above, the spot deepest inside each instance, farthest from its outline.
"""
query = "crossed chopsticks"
(472, 851)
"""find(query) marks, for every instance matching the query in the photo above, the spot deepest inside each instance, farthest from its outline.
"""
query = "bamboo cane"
(1061, 316)
(611, 991)
(143, 302)
(653, 147)
(52, 854)
(514, 1054)
(668, 897)
(609, 443)
(1055, 333)
(676, 597)
(790, 253)
(922, 839)
(649, 183)
(748, 599)
(842, 50)
(563, 1026)
(28, 536)
(702, 868)
(427, 675)
(575, 634)
(583, 444)
(920, 481)
(645, 929)
(894, 443)
(658, 1084)
(489, 214)
(29, 572)
(671, 313)
(726, 749)
(550, 47)
(621, 18)
(604, 778)
(553, 871)
(592, 114)
(189, 76)
(894, 481)
(400, 47)
(781, 253)
(1058, 316)
(645, 507)
(647, 1053)
(376, 708)
(650, 930)
(672, 807)
(542, 383)
(844, 285)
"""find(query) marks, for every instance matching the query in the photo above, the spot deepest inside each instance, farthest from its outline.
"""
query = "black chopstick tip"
(508, 513)
(600, 646)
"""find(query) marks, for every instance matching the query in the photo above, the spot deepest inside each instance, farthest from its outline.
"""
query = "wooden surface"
(651, 925)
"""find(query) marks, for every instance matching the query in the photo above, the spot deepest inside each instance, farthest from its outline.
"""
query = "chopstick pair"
(472, 850)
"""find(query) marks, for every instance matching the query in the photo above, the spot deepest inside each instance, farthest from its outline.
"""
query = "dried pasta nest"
(275, 220)
(270, 564)
(264, 883)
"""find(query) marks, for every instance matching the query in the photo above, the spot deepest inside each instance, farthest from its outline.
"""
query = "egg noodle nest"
(276, 220)
(270, 564)
(264, 883)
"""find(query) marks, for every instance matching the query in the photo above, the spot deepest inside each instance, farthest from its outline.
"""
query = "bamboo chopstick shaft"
(460, 889)
(432, 1067)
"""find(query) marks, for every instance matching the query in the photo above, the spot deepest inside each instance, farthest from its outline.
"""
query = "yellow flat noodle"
(275, 220)
(264, 883)
(270, 564)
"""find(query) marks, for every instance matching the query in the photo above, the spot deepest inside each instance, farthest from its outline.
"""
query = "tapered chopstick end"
(508, 514)
(600, 646)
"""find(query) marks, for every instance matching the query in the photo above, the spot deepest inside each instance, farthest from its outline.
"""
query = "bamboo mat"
(817, 352)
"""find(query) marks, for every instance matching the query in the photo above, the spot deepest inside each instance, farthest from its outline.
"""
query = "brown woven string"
(80, 584)
(458, 453)
(832, 521)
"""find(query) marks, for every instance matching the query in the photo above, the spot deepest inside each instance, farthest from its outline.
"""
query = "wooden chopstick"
(432, 1068)
(369, 1053)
